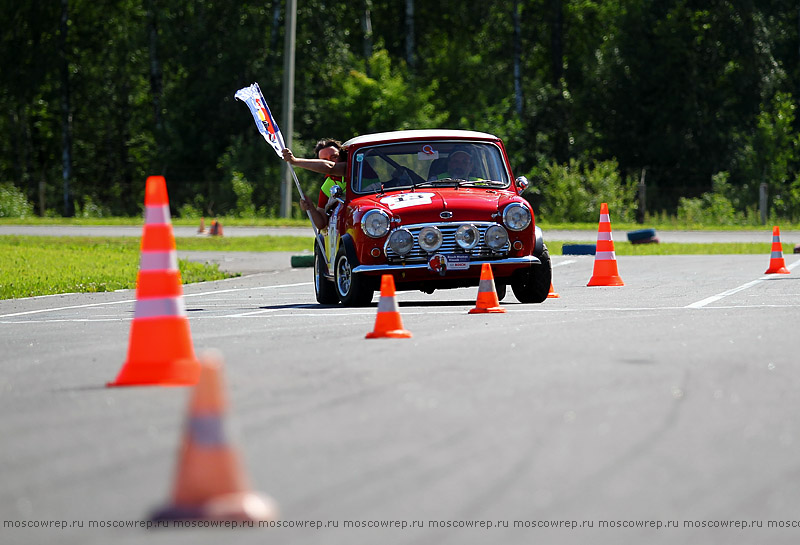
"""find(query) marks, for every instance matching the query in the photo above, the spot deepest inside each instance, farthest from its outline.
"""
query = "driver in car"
(459, 166)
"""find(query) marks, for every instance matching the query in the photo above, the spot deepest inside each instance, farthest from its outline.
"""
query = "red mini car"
(429, 207)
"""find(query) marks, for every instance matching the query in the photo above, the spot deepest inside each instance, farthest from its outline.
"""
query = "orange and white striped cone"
(605, 260)
(487, 294)
(388, 322)
(776, 263)
(552, 293)
(210, 483)
(160, 351)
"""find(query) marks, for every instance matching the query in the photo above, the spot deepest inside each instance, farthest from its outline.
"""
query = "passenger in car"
(330, 161)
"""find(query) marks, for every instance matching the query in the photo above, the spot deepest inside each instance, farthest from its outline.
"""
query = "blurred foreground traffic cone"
(160, 350)
(487, 294)
(552, 294)
(388, 322)
(210, 484)
(605, 260)
(776, 263)
(202, 229)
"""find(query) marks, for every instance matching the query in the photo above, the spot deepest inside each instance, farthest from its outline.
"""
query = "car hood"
(433, 205)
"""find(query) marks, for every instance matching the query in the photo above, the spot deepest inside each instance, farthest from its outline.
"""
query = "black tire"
(352, 289)
(533, 284)
(324, 289)
(501, 290)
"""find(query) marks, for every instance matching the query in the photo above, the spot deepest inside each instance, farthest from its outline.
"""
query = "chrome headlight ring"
(401, 241)
(430, 239)
(375, 223)
(516, 216)
(467, 236)
(496, 237)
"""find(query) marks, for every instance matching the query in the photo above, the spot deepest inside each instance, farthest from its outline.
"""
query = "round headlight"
(430, 238)
(516, 216)
(496, 237)
(467, 236)
(375, 223)
(401, 241)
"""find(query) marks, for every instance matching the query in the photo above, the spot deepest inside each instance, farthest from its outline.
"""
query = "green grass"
(31, 266)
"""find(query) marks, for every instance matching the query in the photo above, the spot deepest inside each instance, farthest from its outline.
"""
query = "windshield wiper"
(448, 181)
(492, 183)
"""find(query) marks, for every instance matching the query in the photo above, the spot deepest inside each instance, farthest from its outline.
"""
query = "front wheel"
(324, 289)
(353, 289)
(501, 290)
(532, 285)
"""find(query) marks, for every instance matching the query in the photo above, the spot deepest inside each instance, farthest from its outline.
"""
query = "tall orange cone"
(552, 294)
(776, 263)
(388, 322)
(487, 294)
(202, 229)
(210, 484)
(605, 260)
(160, 351)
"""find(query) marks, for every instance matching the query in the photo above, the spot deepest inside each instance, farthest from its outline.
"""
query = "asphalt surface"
(670, 400)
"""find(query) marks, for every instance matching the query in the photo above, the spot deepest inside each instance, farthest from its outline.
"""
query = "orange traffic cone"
(552, 294)
(202, 229)
(487, 294)
(160, 351)
(216, 229)
(388, 322)
(210, 484)
(776, 263)
(605, 260)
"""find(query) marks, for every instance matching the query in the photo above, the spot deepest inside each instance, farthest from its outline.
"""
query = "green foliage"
(90, 209)
(712, 208)
(13, 203)
(244, 196)
(381, 101)
(681, 89)
(574, 192)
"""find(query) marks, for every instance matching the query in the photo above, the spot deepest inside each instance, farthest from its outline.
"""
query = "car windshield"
(418, 164)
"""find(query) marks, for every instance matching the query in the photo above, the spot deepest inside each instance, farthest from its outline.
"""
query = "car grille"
(449, 246)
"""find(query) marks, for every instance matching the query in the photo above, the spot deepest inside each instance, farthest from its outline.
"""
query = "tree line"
(695, 99)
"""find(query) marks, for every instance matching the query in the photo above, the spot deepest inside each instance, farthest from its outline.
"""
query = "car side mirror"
(522, 183)
(337, 197)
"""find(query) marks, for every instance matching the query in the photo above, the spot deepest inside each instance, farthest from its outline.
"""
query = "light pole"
(288, 102)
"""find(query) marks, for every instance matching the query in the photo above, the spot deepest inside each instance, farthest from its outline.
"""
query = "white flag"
(264, 121)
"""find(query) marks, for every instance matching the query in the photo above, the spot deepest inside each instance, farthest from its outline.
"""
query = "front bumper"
(399, 267)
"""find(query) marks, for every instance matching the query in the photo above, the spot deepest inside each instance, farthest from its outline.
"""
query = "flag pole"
(303, 196)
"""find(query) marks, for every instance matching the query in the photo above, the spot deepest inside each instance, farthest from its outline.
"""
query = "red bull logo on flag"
(263, 117)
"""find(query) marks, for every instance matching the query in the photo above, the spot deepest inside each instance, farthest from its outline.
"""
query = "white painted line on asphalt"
(326, 313)
(56, 309)
(724, 294)
(567, 262)
(128, 301)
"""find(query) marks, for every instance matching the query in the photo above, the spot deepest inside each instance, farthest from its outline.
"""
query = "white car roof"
(415, 134)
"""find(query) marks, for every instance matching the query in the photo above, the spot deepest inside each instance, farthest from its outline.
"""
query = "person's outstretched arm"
(315, 165)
